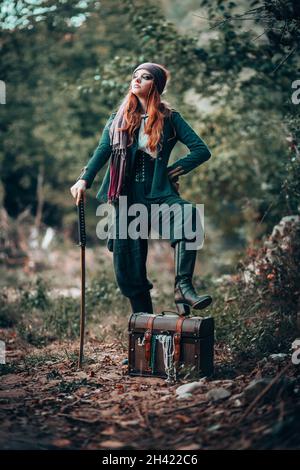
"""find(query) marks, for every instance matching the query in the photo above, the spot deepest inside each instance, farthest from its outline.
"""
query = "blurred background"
(65, 65)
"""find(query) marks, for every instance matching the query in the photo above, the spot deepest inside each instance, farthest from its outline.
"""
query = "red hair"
(157, 110)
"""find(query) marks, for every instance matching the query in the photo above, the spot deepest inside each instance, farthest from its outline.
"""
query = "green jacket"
(161, 185)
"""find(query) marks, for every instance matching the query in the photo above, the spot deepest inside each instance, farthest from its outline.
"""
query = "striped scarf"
(118, 140)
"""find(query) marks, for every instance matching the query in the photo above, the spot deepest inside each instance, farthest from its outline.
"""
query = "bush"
(9, 313)
(256, 313)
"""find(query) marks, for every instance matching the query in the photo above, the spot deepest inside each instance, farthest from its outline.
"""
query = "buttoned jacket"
(175, 129)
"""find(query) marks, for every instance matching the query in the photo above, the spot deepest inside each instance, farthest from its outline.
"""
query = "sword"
(82, 243)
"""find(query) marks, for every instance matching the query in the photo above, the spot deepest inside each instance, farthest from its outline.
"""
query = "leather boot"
(141, 302)
(185, 295)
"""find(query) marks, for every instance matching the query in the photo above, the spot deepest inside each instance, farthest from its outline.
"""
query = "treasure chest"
(170, 346)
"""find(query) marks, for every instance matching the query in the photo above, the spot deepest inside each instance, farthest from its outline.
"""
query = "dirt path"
(46, 403)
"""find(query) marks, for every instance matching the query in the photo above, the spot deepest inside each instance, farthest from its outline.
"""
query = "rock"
(278, 358)
(73, 292)
(278, 242)
(189, 387)
(214, 427)
(184, 396)
(254, 388)
(225, 279)
(285, 384)
(237, 403)
(218, 393)
(281, 228)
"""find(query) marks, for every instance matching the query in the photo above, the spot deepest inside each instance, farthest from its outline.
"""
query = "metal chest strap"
(177, 339)
(148, 338)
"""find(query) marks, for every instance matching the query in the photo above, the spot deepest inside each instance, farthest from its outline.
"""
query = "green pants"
(130, 255)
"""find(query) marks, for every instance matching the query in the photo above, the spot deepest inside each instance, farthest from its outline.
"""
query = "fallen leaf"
(109, 431)
(61, 443)
(193, 446)
(112, 444)
(183, 418)
(12, 394)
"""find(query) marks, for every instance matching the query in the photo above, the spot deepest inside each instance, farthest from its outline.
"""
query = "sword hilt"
(81, 223)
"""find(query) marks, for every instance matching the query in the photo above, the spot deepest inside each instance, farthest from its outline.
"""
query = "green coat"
(161, 185)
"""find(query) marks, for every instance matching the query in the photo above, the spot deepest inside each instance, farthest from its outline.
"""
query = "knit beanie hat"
(160, 77)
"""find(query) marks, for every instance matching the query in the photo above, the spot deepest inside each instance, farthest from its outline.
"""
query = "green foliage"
(102, 294)
(78, 59)
(7, 369)
(38, 317)
(63, 318)
(248, 329)
(36, 360)
(70, 387)
(41, 318)
(253, 174)
(35, 296)
(9, 314)
(244, 325)
(256, 314)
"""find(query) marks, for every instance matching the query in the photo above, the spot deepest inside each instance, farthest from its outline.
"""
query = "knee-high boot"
(185, 295)
(141, 302)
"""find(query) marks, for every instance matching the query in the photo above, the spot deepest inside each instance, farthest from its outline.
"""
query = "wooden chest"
(170, 346)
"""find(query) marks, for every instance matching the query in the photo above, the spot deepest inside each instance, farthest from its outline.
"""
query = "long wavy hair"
(157, 109)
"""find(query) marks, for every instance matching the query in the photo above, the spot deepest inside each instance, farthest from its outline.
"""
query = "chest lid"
(198, 327)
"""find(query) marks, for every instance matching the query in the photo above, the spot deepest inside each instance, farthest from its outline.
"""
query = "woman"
(138, 139)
